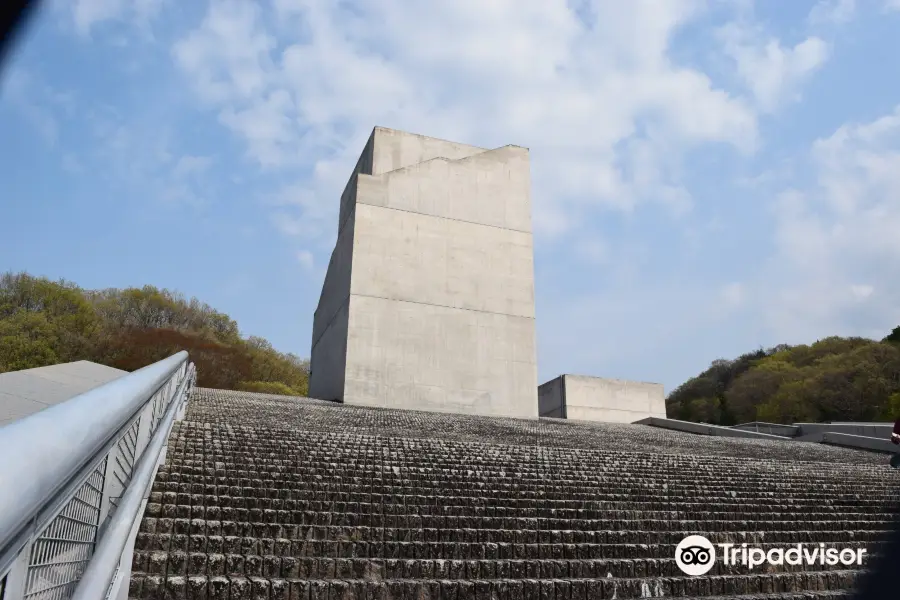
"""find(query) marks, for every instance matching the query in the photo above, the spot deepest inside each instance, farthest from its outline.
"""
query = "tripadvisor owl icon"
(695, 555)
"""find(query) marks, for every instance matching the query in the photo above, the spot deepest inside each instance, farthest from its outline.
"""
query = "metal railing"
(74, 480)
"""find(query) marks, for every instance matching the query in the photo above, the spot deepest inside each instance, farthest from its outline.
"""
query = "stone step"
(295, 417)
(399, 490)
(251, 588)
(454, 506)
(601, 466)
(367, 454)
(880, 481)
(480, 549)
(564, 521)
(212, 507)
(424, 459)
(266, 539)
(169, 563)
(272, 498)
(594, 491)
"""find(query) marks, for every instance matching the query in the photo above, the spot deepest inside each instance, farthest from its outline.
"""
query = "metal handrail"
(42, 454)
(99, 574)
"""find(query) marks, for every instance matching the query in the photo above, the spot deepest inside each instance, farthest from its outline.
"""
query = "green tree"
(27, 340)
(894, 336)
(44, 322)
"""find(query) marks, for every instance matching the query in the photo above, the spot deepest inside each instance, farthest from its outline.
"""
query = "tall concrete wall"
(440, 305)
(599, 399)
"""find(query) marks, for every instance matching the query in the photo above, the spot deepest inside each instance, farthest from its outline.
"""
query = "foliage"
(894, 336)
(834, 379)
(268, 387)
(44, 322)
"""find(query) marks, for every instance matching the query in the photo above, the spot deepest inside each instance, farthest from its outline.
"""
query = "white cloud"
(86, 14)
(188, 166)
(772, 72)
(833, 11)
(34, 101)
(305, 258)
(891, 5)
(594, 251)
(837, 263)
(72, 165)
(732, 294)
(862, 291)
(609, 116)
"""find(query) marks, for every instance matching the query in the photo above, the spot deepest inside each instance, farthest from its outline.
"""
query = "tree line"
(834, 379)
(45, 322)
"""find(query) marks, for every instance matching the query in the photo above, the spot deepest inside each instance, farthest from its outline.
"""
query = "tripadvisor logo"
(696, 555)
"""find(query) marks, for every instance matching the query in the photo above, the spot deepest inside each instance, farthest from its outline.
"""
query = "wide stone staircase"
(267, 497)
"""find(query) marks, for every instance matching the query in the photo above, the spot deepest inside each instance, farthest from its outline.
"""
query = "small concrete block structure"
(31, 390)
(599, 399)
(428, 301)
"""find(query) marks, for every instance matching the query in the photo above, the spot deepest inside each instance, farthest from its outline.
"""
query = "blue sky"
(708, 176)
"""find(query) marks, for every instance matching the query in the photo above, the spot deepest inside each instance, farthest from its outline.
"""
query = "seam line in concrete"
(330, 321)
(487, 312)
(447, 218)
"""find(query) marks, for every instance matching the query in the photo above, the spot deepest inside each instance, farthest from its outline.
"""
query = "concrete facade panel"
(336, 287)
(434, 358)
(328, 359)
(420, 258)
(491, 188)
(551, 398)
(612, 400)
(394, 150)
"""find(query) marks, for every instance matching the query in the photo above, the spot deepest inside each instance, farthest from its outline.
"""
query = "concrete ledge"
(770, 428)
(859, 441)
(873, 430)
(704, 429)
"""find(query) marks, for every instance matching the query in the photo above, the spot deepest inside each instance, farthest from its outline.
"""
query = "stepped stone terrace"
(268, 497)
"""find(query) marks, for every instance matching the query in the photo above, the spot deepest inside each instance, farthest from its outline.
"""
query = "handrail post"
(18, 574)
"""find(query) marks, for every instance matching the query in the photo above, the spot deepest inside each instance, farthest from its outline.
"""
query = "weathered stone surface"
(301, 499)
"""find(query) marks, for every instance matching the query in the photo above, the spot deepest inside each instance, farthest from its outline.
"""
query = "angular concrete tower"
(428, 303)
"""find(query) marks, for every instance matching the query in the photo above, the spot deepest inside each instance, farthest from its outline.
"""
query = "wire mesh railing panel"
(158, 405)
(121, 464)
(61, 552)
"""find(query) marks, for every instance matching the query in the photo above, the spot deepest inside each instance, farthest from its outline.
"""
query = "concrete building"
(598, 399)
(428, 301)
(31, 390)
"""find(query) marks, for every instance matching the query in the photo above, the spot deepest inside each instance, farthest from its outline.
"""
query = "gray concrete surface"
(705, 429)
(875, 430)
(31, 390)
(428, 302)
(770, 428)
(585, 398)
(859, 441)
(551, 399)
